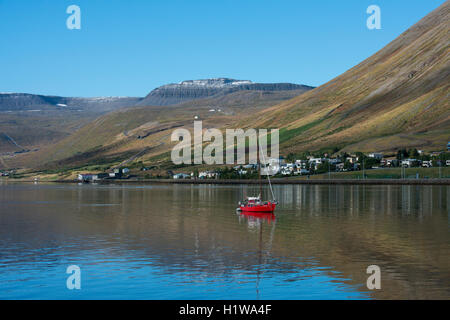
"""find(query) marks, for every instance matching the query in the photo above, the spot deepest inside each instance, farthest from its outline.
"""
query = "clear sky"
(127, 48)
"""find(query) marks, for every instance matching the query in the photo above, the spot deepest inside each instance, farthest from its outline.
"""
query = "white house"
(316, 160)
(376, 155)
(92, 177)
(334, 161)
(351, 159)
(409, 162)
(302, 164)
(181, 176)
(207, 174)
(427, 164)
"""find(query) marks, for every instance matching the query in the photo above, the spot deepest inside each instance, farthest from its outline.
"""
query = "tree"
(344, 155)
(348, 165)
(413, 153)
(303, 156)
(290, 157)
(370, 162)
(361, 157)
(325, 166)
(402, 154)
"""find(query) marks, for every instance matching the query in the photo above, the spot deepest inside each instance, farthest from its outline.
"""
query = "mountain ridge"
(41, 122)
(22, 101)
(176, 93)
(169, 94)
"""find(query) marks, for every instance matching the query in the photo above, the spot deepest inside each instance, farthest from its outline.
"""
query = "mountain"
(397, 98)
(199, 89)
(25, 101)
(64, 131)
(30, 121)
(169, 94)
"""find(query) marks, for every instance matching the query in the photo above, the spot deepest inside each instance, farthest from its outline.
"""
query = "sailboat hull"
(262, 208)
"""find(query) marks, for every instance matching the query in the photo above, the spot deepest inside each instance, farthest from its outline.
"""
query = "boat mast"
(259, 173)
(267, 173)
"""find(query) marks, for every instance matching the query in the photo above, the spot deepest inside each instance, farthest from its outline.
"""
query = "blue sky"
(127, 48)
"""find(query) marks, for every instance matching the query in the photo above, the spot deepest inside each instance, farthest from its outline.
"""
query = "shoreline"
(436, 181)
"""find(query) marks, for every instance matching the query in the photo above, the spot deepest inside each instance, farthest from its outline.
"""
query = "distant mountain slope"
(26, 101)
(397, 98)
(199, 89)
(170, 94)
(119, 133)
(35, 121)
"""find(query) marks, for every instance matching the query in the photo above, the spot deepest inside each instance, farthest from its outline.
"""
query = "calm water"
(188, 242)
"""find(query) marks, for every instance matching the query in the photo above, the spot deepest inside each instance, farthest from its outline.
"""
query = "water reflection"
(408, 198)
(256, 220)
(186, 241)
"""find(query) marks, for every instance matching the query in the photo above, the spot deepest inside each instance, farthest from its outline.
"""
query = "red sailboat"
(256, 204)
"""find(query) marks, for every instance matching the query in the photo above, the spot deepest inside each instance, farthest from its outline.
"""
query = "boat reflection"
(258, 217)
(256, 220)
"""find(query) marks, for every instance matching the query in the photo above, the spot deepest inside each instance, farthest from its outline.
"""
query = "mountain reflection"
(319, 243)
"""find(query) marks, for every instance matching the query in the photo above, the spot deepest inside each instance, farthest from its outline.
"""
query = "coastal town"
(306, 166)
(310, 165)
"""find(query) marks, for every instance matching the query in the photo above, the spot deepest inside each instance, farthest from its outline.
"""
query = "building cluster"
(353, 163)
(313, 165)
(201, 175)
(118, 173)
(244, 169)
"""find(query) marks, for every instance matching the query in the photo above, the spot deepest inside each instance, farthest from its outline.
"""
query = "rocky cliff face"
(198, 89)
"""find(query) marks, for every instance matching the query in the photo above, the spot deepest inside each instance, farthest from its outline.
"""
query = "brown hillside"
(396, 98)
